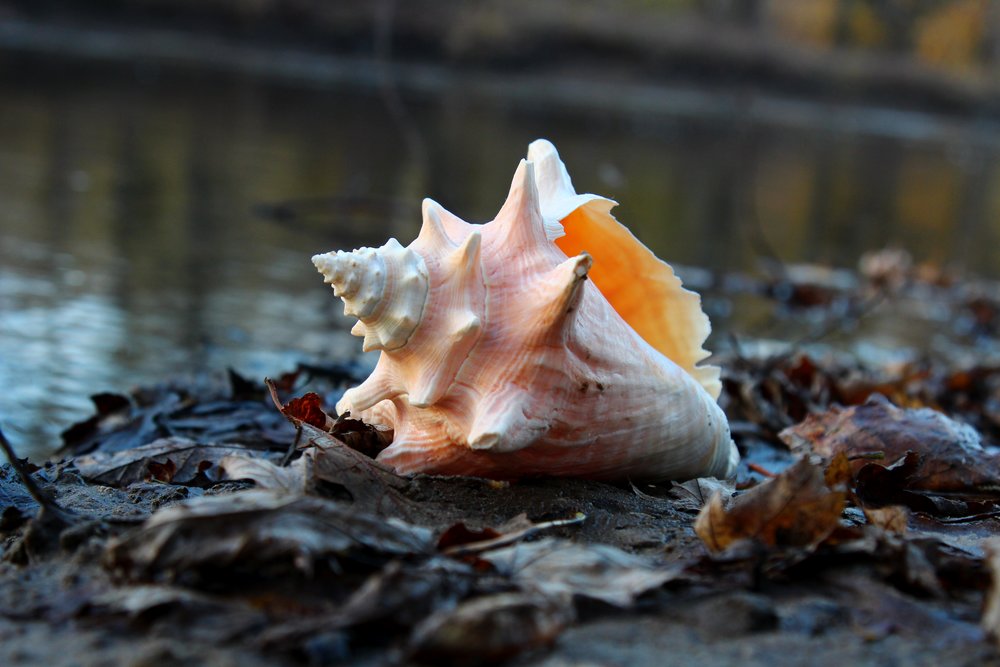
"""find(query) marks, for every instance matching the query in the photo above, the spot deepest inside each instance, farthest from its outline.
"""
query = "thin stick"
(35, 491)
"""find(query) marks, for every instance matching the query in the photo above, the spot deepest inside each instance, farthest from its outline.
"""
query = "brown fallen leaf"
(490, 629)
(305, 409)
(118, 423)
(694, 494)
(400, 595)
(952, 457)
(308, 409)
(795, 509)
(257, 531)
(328, 463)
(559, 567)
(360, 436)
(292, 478)
(892, 518)
(170, 460)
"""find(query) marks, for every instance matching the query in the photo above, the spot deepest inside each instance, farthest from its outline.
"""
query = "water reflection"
(130, 251)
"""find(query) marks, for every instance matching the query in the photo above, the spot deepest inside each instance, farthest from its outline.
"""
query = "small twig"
(761, 470)
(867, 456)
(297, 423)
(36, 492)
(292, 448)
(965, 519)
(510, 538)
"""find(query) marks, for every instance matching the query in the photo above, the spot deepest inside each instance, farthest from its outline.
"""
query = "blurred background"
(167, 167)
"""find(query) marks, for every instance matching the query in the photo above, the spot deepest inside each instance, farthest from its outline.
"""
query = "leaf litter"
(202, 516)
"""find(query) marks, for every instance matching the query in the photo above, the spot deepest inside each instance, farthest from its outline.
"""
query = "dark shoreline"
(582, 66)
(930, 107)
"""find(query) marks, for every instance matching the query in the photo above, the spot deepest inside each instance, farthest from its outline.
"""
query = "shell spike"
(560, 291)
(466, 257)
(379, 386)
(552, 178)
(502, 423)
(432, 231)
(520, 217)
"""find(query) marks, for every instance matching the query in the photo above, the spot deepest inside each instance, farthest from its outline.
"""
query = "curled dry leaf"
(253, 531)
(693, 494)
(308, 408)
(360, 436)
(892, 518)
(558, 567)
(795, 509)
(135, 601)
(16, 504)
(266, 475)
(400, 595)
(952, 457)
(490, 629)
(119, 423)
(305, 409)
(170, 460)
(328, 462)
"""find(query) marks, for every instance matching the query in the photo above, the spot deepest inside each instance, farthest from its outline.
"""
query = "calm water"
(155, 225)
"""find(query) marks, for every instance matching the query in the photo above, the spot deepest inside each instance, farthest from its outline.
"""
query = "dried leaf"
(838, 471)
(308, 409)
(15, 501)
(402, 594)
(951, 454)
(204, 411)
(360, 436)
(795, 509)
(693, 494)
(327, 462)
(118, 424)
(892, 518)
(136, 600)
(254, 531)
(559, 567)
(490, 629)
(170, 460)
(878, 485)
(370, 484)
(266, 475)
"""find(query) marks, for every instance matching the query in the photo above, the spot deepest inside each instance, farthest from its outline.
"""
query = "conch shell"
(499, 358)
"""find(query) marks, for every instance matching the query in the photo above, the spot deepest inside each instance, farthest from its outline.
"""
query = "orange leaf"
(795, 509)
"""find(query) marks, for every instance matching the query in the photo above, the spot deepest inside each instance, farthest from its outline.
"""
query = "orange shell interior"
(642, 289)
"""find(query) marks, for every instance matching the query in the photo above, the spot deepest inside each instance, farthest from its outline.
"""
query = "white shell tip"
(540, 149)
(485, 441)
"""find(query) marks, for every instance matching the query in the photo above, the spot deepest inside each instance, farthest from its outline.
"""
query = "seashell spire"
(508, 351)
(385, 288)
